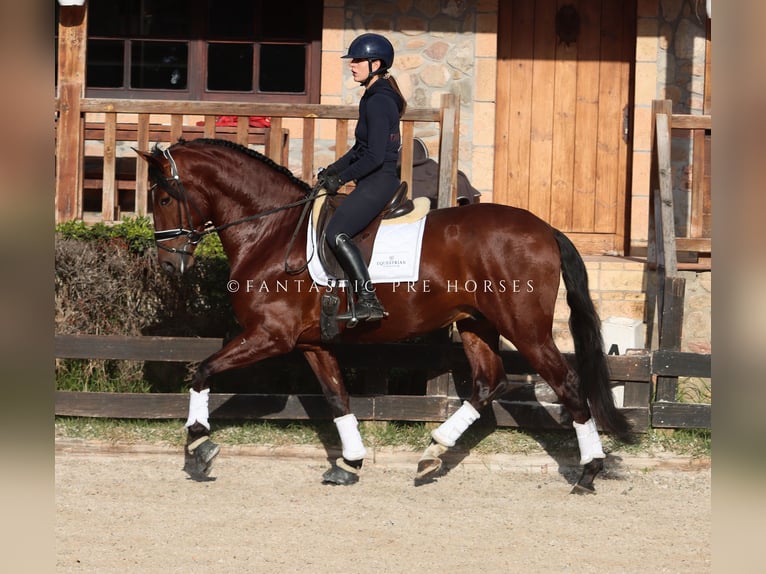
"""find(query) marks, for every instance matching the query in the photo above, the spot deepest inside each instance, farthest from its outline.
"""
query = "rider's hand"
(330, 182)
(322, 175)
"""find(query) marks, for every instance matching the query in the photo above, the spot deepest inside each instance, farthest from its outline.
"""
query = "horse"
(489, 269)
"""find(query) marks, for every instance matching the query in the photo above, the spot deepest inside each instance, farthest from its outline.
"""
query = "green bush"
(108, 282)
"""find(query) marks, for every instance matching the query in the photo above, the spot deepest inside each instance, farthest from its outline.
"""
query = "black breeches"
(361, 206)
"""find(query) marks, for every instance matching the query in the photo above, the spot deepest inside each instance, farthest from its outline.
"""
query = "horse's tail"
(585, 326)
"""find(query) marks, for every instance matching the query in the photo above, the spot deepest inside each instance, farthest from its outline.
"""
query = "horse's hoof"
(589, 472)
(199, 458)
(338, 475)
(583, 489)
(430, 463)
(428, 467)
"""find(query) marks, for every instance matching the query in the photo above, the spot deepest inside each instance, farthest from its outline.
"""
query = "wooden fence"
(134, 123)
(531, 405)
(666, 287)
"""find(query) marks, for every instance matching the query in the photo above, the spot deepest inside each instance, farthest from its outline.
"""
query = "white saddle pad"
(395, 253)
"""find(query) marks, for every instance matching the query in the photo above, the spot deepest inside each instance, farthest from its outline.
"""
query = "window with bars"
(253, 50)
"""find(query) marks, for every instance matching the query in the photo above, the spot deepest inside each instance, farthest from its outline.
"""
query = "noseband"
(194, 236)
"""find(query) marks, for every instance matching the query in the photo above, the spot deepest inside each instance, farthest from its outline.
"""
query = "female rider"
(371, 162)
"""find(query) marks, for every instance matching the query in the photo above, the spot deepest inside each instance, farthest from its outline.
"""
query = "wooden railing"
(445, 364)
(72, 131)
(531, 405)
(665, 247)
(666, 288)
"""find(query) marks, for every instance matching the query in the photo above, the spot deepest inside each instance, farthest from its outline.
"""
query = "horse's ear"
(148, 157)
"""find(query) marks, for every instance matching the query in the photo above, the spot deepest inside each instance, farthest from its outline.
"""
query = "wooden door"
(563, 87)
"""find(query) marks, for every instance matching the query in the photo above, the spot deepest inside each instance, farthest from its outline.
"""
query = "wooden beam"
(181, 349)
(523, 406)
(707, 90)
(109, 201)
(341, 137)
(243, 124)
(203, 108)
(408, 134)
(673, 310)
(167, 406)
(307, 155)
(665, 173)
(404, 355)
(68, 145)
(275, 141)
(681, 415)
(700, 245)
(142, 167)
(674, 363)
(691, 121)
(448, 152)
(72, 32)
(671, 332)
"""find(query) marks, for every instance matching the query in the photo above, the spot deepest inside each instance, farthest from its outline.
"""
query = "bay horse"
(470, 258)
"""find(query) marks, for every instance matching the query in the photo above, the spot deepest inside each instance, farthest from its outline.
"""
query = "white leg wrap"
(589, 441)
(453, 428)
(198, 408)
(348, 429)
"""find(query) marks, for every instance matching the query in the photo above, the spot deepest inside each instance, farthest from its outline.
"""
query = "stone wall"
(670, 64)
(442, 46)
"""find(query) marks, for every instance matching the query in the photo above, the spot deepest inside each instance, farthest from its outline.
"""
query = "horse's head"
(210, 185)
(179, 214)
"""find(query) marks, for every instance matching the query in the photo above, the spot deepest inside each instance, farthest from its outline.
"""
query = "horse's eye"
(164, 201)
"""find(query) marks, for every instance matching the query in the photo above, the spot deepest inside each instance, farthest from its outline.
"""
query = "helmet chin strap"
(369, 77)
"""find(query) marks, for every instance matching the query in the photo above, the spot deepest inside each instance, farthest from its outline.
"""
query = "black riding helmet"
(372, 47)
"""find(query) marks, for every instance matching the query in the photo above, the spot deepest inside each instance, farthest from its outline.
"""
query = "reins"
(194, 237)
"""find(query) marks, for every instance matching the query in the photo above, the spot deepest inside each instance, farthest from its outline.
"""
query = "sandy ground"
(132, 509)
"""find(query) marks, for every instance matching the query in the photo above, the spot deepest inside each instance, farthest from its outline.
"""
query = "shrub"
(108, 282)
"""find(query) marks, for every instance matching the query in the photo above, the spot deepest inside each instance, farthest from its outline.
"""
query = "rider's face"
(360, 68)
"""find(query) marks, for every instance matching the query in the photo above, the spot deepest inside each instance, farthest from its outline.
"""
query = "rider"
(371, 162)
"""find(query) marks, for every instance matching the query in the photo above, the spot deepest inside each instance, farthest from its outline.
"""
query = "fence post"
(671, 309)
(655, 256)
(71, 78)
(671, 332)
(448, 150)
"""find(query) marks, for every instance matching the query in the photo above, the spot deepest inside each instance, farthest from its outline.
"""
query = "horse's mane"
(247, 151)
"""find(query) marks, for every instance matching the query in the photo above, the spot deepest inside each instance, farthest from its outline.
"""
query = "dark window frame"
(197, 65)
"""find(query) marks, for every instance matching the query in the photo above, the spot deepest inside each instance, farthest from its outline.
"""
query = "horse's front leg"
(246, 349)
(346, 469)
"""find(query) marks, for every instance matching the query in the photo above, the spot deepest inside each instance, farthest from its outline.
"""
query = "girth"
(398, 206)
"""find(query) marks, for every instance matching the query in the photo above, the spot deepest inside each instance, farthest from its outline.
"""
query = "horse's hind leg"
(550, 364)
(346, 469)
(481, 344)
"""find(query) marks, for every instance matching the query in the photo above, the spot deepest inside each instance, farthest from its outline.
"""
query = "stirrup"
(370, 309)
(363, 309)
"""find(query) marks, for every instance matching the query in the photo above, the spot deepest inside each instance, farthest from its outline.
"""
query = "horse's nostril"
(169, 268)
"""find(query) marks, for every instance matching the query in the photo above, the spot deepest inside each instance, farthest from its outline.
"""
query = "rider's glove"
(330, 181)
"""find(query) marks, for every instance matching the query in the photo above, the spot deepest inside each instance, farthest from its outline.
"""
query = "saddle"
(398, 206)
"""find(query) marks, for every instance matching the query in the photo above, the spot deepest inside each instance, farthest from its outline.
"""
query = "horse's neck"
(258, 232)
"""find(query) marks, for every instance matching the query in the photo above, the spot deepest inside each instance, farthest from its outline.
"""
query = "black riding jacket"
(377, 134)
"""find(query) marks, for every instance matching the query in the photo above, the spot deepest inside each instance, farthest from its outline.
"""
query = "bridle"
(194, 236)
(184, 202)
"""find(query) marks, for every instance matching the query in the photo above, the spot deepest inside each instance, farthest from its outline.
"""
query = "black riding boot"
(368, 307)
